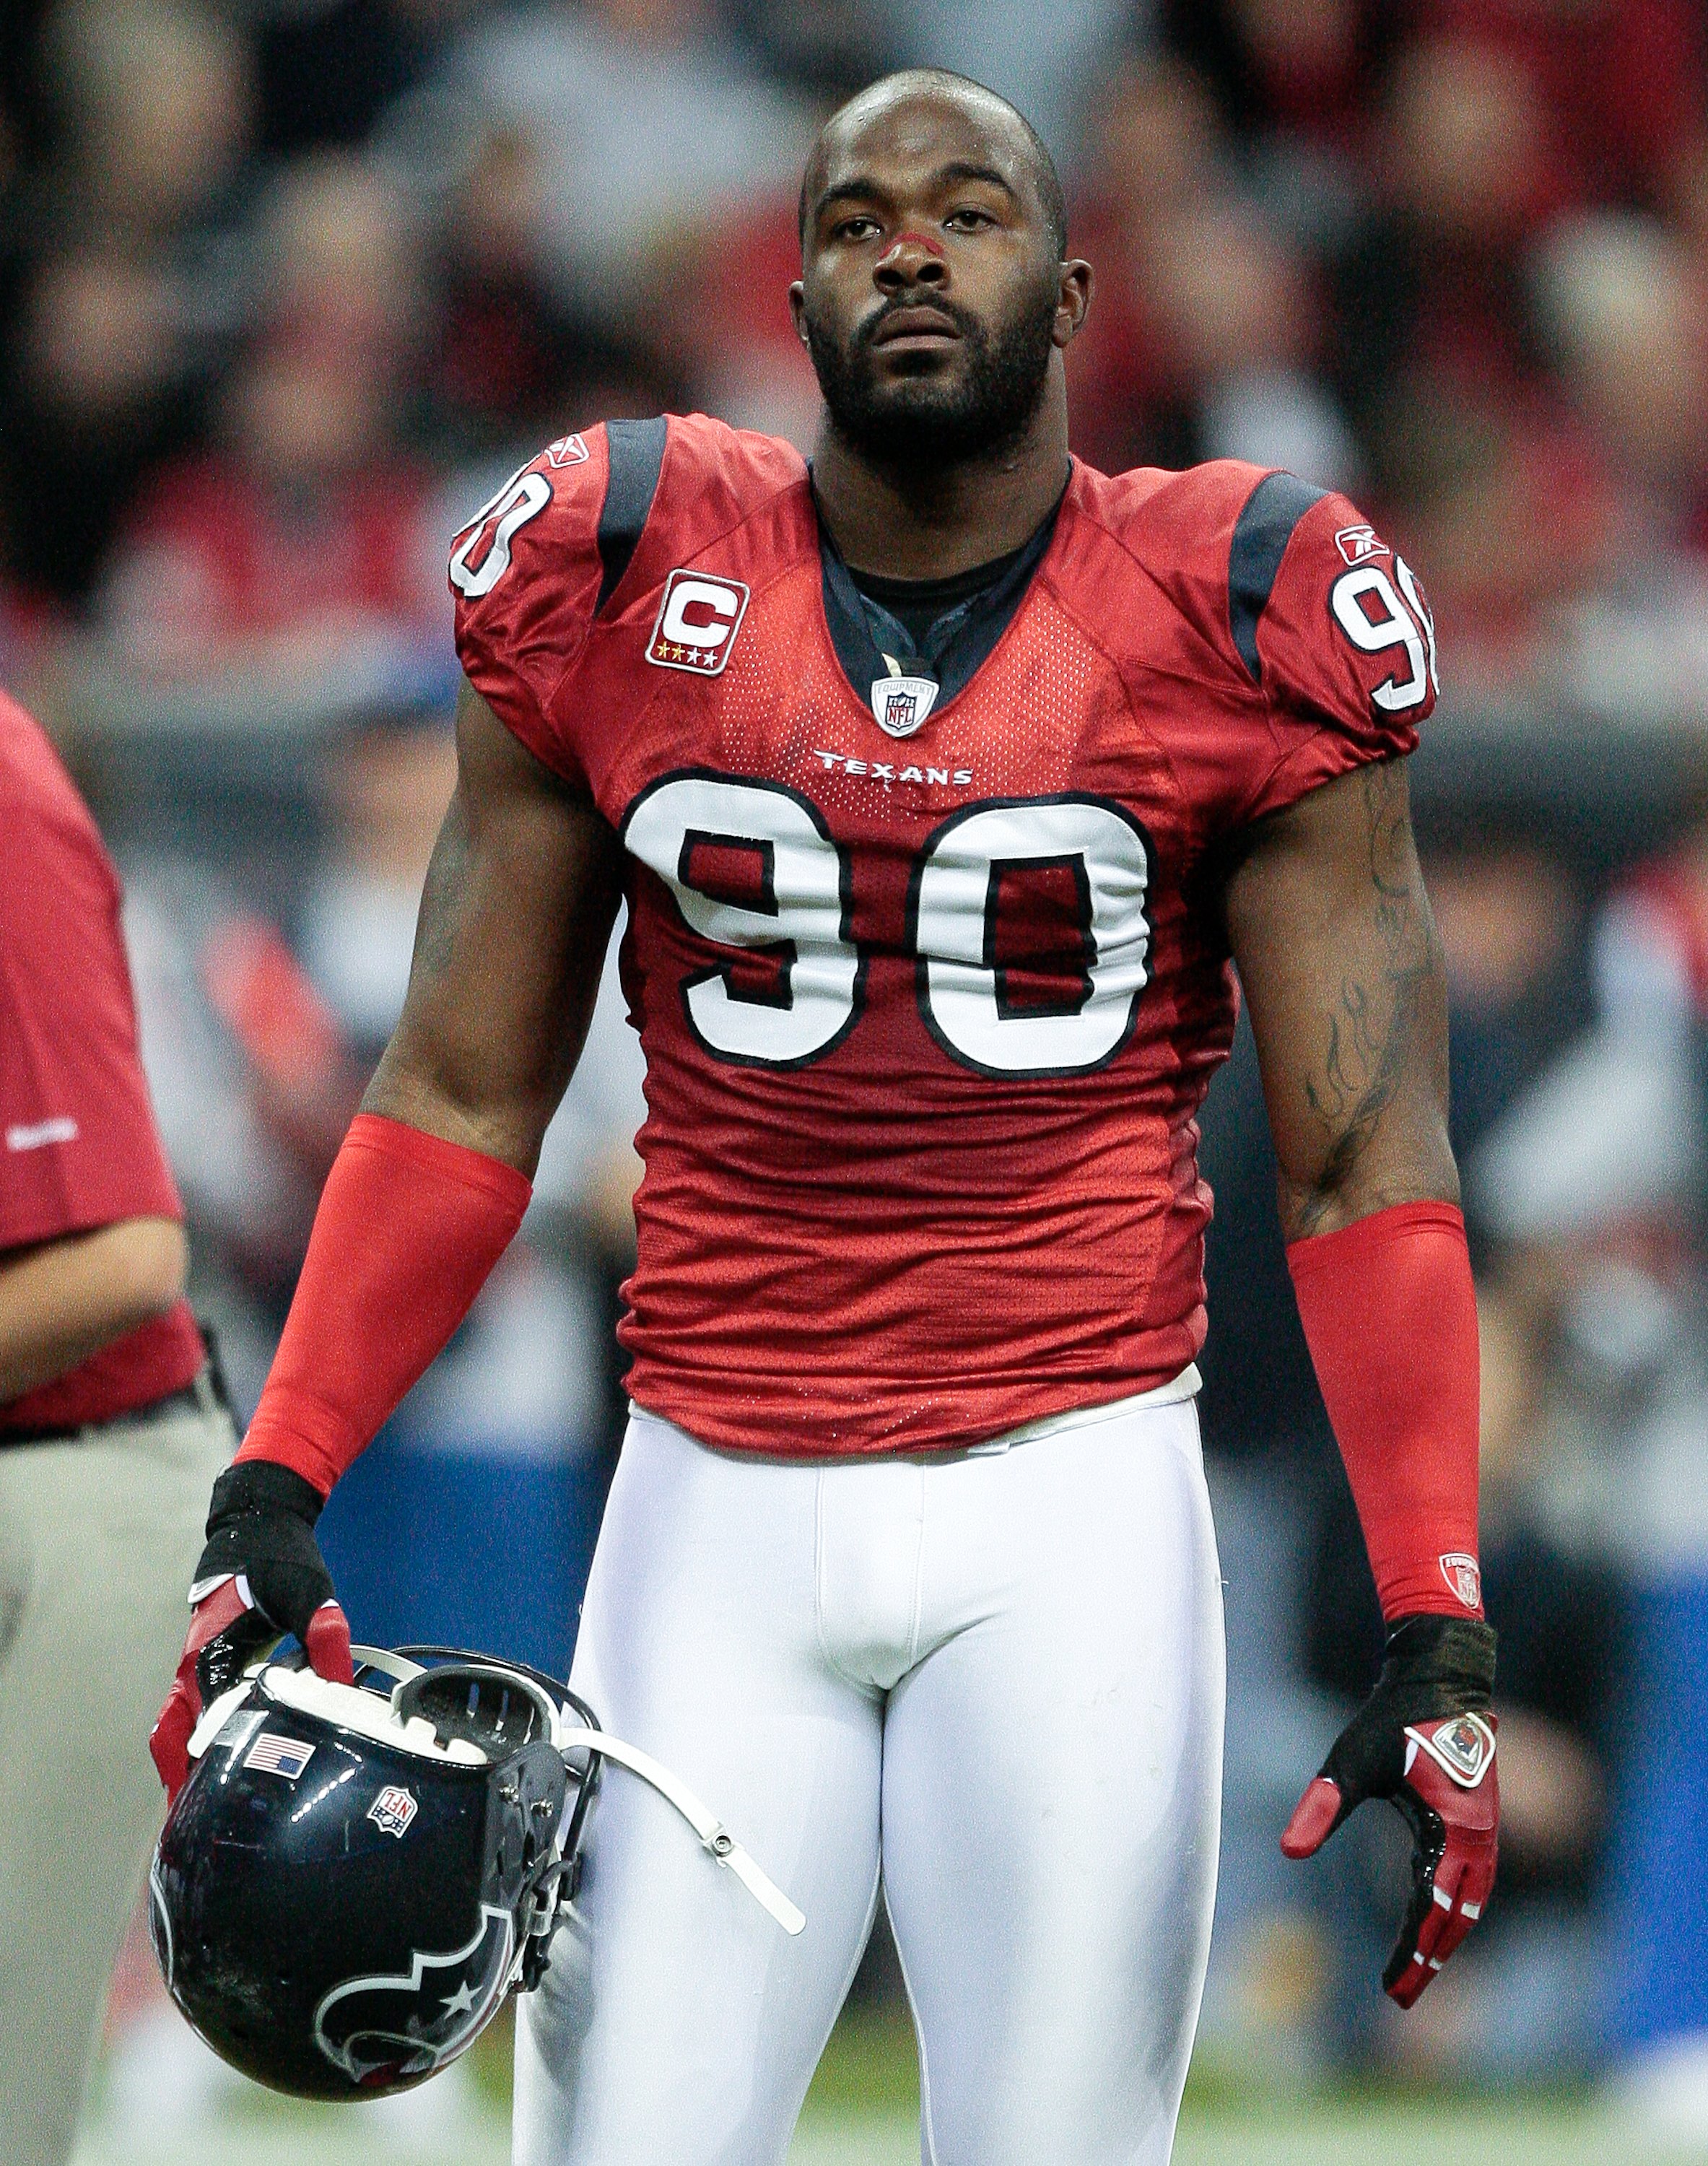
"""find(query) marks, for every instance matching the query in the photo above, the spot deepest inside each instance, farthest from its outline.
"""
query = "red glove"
(1425, 1740)
(260, 1575)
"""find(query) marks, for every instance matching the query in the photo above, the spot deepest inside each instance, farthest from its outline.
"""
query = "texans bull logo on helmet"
(386, 2031)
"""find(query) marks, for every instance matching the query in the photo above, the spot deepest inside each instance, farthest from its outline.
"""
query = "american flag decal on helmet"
(271, 1754)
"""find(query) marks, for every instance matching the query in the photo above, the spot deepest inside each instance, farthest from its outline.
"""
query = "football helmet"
(354, 1877)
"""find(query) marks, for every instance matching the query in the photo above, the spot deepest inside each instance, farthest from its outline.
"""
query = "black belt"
(206, 1395)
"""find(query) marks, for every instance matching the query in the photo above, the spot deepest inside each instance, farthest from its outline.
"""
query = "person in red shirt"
(111, 1426)
(945, 781)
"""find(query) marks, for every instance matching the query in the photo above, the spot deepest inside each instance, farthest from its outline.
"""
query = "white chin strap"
(336, 1702)
(711, 1831)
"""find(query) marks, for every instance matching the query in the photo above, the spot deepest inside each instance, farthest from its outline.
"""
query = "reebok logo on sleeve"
(1357, 544)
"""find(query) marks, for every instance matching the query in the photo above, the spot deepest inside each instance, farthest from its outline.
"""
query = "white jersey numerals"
(965, 991)
(1420, 608)
(1392, 624)
(753, 867)
(523, 497)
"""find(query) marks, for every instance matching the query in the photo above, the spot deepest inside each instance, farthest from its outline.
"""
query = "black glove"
(260, 1575)
(1425, 1740)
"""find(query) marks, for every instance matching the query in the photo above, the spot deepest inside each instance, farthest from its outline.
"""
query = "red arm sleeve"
(408, 1229)
(1391, 1317)
(525, 577)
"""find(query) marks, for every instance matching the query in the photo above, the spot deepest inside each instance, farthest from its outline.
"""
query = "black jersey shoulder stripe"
(637, 458)
(1261, 534)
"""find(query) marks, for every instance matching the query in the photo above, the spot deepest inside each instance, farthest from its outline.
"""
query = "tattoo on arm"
(1372, 1033)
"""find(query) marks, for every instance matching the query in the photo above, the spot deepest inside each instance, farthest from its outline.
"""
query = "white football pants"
(998, 1676)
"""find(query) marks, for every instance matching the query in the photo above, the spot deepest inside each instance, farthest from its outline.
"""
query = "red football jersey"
(927, 1017)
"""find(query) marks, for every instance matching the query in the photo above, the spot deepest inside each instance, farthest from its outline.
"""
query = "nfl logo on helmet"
(393, 1811)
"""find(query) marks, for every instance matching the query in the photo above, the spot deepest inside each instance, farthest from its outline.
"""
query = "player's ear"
(798, 309)
(1072, 300)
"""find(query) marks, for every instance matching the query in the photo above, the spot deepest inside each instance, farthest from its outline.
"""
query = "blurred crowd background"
(288, 286)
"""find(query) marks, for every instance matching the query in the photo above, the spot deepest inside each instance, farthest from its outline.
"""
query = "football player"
(947, 782)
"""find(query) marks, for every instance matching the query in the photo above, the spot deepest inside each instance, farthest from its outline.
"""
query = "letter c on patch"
(714, 608)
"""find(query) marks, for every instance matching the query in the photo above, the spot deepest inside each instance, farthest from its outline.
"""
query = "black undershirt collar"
(940, 629)
(918, 604)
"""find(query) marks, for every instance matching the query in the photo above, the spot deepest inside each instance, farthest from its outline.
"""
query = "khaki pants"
(98, 1537)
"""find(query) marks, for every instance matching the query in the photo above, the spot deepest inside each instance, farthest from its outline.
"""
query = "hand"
(1425, 1740)
(260, 1575)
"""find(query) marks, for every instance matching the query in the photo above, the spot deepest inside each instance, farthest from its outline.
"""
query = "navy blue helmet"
(354, 1877)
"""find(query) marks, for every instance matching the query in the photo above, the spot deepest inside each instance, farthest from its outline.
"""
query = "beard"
(936, 417)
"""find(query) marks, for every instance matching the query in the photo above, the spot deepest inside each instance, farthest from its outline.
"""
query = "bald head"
(934, 296)
(926, 102)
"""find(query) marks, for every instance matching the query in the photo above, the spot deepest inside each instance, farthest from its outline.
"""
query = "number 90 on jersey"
(1025, 918)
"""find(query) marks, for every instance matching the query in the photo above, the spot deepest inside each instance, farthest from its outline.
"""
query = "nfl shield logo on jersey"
(698, 622)
(900, 704)
(1357, 544)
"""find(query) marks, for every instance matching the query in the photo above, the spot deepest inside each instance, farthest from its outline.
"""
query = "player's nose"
(912, 258)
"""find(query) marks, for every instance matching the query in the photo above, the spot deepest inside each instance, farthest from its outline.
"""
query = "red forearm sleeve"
(407, 1229)
(1390, 1316)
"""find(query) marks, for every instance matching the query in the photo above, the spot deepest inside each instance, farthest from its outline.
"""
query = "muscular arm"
(516, 919)
(432, 1180)
(1336, 950)
(422, 1199)
(1331, 930)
